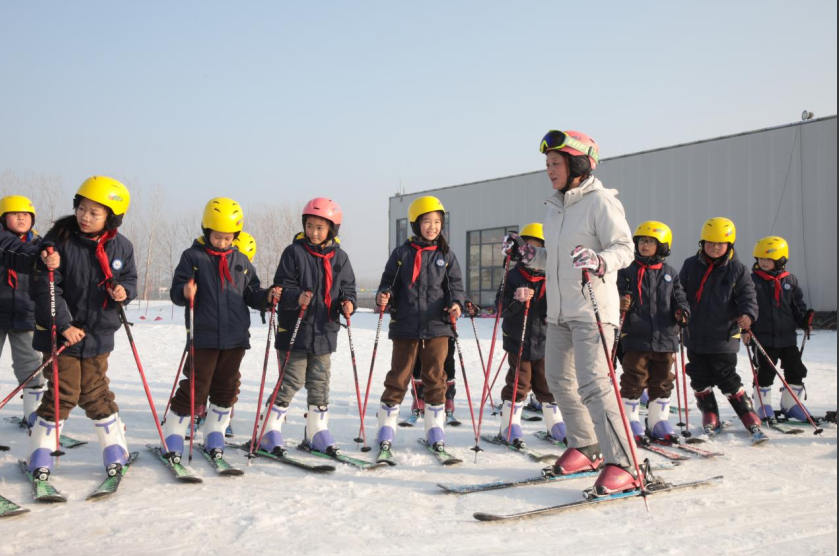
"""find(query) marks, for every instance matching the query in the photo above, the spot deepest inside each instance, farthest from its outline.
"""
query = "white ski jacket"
(592, 216)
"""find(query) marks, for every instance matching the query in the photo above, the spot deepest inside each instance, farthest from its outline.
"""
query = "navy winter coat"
(417, 311)
(776, 325)
(300, 271)
(650, 324)
(81, 296)
(17, 312)
(222, 318)
(513, 313)
(728, 293)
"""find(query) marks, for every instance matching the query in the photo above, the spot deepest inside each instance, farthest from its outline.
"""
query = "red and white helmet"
(326, 209)
(575, 143)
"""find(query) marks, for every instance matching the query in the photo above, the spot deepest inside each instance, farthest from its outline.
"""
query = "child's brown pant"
(81, 382)
(432, 354)
(216, 375)
(650, 370)
(531, 376)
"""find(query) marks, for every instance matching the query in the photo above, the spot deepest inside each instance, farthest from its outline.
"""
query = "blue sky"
(282, 100)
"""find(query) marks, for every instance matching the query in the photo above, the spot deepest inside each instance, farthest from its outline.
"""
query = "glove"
(808, 319)
(626, 303)
(682, 318)
(473, 310)
(744, 322)
(518, 249)
(523, 295)
(586, 259)
(746, 337)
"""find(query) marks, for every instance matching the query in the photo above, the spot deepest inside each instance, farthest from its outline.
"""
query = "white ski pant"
(578, 376)
(24, 357)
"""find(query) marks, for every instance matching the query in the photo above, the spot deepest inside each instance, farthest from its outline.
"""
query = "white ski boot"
(388, 417)
(215, 427)
(41, 446)
(511, 431)
(318, 436)
(435, 425)
(111, 434)
(553, 421)
(31, 403)
(273, 441)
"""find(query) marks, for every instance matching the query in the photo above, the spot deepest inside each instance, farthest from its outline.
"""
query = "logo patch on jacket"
(787, 287)
(441, 263)
(117, 264)
(668, 278)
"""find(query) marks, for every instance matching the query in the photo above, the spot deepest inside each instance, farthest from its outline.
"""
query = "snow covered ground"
(780, 498)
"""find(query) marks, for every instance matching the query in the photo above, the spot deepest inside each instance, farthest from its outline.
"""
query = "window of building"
(486, 264)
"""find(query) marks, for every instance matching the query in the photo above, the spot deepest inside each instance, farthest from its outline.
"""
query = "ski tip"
(480, 516)
(4, 448)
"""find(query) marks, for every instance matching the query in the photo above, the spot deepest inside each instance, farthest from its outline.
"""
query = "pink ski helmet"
(575, 143)
(326, 209)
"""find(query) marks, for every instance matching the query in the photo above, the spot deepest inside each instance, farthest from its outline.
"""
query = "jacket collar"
(565, 200)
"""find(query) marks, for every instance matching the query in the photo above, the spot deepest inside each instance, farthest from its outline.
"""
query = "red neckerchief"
(534, 280)
(711, 265)
(327, 271)
(12, 274)
(642, 269)
(777, 279)
(223, 267)
(418, 261)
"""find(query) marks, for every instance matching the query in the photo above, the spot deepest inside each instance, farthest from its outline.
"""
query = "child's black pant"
(794, 370)
(713, 369)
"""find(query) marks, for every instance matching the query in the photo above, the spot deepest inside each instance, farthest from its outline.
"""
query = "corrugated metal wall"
(779, 181)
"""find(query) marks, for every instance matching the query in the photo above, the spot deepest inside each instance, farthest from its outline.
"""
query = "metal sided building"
(776, 181)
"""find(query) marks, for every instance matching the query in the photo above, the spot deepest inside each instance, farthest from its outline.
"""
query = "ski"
(691, 449)
(42, 490)
(221, 466)
(543, 435)
(412, 420)
(524, 450)
(536, 480)
(442, 456)
(386, 455)
(666, 487)
(669, 454)
(181, 473)
(110, 485)
(452, 421)
(286, 459)
(67, 442)
(341, 458)
(783, 419)
(9, 508)
(783, 428)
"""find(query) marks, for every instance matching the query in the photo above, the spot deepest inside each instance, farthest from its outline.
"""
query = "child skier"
(17, 313)
(722, 302)
(316, 273)
(96, 272)
(423, 284)
(782, 310)
(223, 284)
(523, 285)
(655, 305)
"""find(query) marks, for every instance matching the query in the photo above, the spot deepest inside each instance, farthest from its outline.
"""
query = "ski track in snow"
(778, 498)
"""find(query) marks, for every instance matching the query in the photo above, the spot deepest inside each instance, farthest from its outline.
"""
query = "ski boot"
(553, 422)
(435, 426)
(41, 446)
(615, 479)
(789, 408)
(200, 417)
(450, 394)
(533, 405)
(765, 411)
(218, 418)
(633, 413)
(388, 417)
(706, 401)
(273, 441)
(744, 409)
(658, 422)
(576, 460)
(318, 436)
(418, 405)
(511, 429)
(111, 434)
(31, 403)
(174, 431)
(645, 398)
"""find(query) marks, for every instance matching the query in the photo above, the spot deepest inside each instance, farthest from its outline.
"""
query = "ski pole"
(681, 423)
(191, 371)
(518, 371)
(175, 385)
(806, 334)
(756, 383)
(629, 437)
(365, 447)
(485, 390)
(271, 322)
(686, 433)
(282, 371)
(618, 339)
(481, 354)
(786, 385)
(475, 428)
(54, 354)
(372, 366)
(23, 384)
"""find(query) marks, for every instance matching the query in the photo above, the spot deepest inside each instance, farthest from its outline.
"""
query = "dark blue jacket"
(417, 312)
(728, 293)
(81, 296)
(777, 324)
(222, 318)
(513, 313)
(17, 312)
(650, 324)
(301, 271)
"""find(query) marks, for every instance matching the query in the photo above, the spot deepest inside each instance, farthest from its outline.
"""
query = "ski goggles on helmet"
(556, 140)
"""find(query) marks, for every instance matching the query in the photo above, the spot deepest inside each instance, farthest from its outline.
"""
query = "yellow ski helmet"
(657, 230)
(772, 247)
(719, 230)
(424, 205)
(223, 215)
(16, 203)
(105, 191)
(246, 244)
(535, 230)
